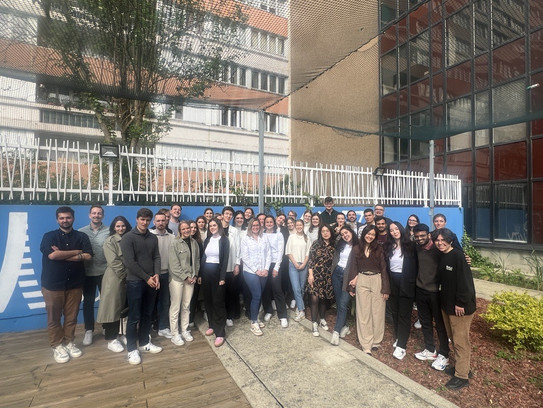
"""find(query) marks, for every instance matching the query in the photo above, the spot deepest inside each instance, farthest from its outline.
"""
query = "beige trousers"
(458, 331)
(370, 311)
(180, 295)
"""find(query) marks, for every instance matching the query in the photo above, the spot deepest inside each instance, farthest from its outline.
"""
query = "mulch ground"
(501, 377)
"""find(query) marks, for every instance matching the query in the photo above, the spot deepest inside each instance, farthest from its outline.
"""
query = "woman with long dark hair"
(319, 277)
(339, 281)
(402, 271)
(412, 221)
(368, 279)
(113, 295)
(195, 234)
(201, 222)
(212, 278)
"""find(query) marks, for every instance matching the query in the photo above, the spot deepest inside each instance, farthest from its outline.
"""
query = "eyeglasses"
(412, 220)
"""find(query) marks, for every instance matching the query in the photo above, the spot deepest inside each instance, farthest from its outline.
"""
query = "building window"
(507, 20)
(68, 119)
(273, 83)
(482, 212)
(281, 86)
(242, 76)
(389, 72)
(511, 212)
(459, 37)
(264, 82)
(254, 79)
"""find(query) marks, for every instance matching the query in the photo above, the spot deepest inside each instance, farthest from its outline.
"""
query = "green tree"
(123, 55)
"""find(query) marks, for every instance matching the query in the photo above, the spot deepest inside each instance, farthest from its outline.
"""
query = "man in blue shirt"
(63, 273)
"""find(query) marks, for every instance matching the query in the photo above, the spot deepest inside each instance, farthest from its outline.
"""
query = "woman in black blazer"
(402, 270)
(213, 274)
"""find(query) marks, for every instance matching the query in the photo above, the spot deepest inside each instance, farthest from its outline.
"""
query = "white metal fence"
(52, 170)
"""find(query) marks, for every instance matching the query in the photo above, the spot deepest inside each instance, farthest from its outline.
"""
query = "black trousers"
(89, 294)
(401, 308)
(231, 287)
(214, 298)
(429, 310)
(274, 290)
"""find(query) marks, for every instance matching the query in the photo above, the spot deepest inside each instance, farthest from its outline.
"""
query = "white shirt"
(212, 250)
(396, 260)
(256, 254)
(277, 246)
(344, 255)
(298, 247)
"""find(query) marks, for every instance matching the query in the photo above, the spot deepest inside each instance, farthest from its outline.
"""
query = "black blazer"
(408, 277)
(224, 252)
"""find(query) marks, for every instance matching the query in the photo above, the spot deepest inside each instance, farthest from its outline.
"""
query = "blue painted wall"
(22, 228)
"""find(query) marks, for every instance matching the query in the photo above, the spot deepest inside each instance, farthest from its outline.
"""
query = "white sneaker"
(150, 348)
(426, 355)
(60, 354)
(292, 304)
(399, 353)
(274, 307)
(267, 317)
(260, 324)
(395, 343)
(441, 363)
(177, 340)
(335, 339)
(417, 325)
(344, 332)
(229, 322)
(255, 329)
(123, 340)
(72, 350)
(115, 346)
(316, 329)
(323, 324)
(187, 336)
(284, 323)
(134, 357)
(87, 340)
(299, 316)
(165, 333)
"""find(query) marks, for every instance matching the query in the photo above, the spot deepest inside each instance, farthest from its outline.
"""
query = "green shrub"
(477, 259)
(518, 318)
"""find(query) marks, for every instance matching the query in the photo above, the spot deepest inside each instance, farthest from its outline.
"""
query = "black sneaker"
(456, 383)
(450, 371)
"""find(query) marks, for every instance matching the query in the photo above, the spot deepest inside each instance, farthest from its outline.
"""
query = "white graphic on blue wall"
(17, 266)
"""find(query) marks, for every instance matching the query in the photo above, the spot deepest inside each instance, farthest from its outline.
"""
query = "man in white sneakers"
(141, 257)
(63, 273)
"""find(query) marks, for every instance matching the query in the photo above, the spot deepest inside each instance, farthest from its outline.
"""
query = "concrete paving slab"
(292, 368)
(485, 289)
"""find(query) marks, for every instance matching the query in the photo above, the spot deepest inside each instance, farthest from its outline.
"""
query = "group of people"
(272, 263)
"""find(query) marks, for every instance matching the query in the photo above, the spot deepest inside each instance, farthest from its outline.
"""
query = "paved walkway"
(291, 368)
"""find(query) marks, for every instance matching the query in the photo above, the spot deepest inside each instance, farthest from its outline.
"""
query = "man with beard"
(63, 274)
(95, 268)
(427, 295)
(382, 229)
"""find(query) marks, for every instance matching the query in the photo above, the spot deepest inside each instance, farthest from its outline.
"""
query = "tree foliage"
(123, 55)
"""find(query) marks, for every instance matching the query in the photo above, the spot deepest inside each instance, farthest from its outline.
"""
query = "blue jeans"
(298, 278)
(141, 302)
(256, 286)
(342, 298)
